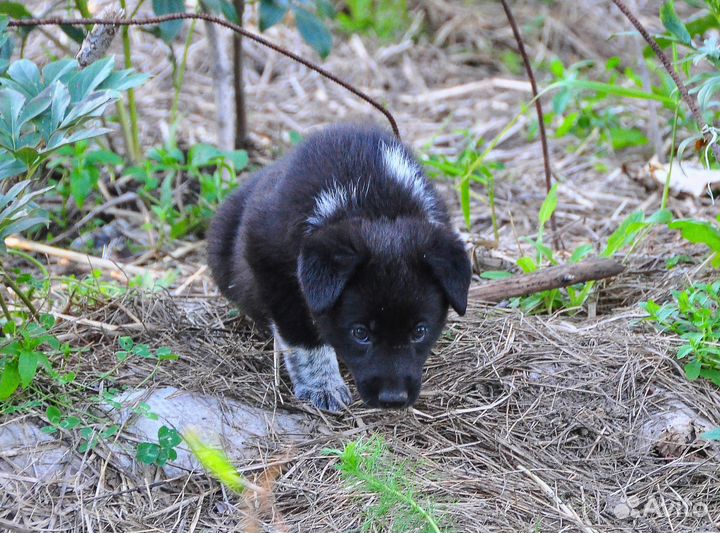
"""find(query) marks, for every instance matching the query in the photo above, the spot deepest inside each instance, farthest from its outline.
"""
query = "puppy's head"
(379, 292)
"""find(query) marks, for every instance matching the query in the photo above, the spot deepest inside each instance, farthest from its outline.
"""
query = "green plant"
(180, 213)
(80, 168)
(384, 18)
(24, 350)
(464, 171)
(694, 315)
(130, 349)
(159, 454)
(366, 464)
(701, 232)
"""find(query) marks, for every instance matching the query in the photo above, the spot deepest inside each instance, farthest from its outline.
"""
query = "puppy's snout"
(393, 399)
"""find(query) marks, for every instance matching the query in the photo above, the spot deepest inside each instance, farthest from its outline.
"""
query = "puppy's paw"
(333, 397)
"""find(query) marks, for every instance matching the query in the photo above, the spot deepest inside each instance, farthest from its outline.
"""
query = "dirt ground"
(525, 423)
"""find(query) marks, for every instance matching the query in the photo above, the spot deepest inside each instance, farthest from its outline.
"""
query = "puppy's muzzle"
(393, 399)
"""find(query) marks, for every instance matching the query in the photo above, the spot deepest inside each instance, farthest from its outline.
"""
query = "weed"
(216, 462)
(694, 315)
(26, 349)
(80, 169)
(130, 349)
(384, 18)
(162, 452)
(464, 170)
(160, 178)
(365, 464)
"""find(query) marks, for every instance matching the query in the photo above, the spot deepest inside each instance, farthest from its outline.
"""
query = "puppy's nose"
(393, 399)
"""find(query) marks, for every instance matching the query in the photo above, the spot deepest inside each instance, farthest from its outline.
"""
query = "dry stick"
(538, 108)
(151, 21)
(119, 270)
(691, 103)
(551, 278)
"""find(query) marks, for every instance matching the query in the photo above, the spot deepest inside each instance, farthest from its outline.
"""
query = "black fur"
(388, 261)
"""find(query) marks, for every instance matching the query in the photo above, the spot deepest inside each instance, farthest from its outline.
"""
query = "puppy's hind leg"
(315, 376)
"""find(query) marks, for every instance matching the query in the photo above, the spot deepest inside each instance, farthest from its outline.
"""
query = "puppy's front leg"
(315, 376)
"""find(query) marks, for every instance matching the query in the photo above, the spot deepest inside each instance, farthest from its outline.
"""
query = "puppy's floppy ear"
(450, 265)
(327, 260)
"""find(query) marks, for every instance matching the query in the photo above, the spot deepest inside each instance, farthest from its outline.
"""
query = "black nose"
(393, 399)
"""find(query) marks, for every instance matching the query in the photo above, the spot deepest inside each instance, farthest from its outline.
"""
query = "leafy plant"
(44, 110)
(130, 349)
(464, 171)
(701, 232)
(159, 175)
(80, 168)
(310, 23)
(366, 464)
(694, 315)
(25, 349)
(159, 454)
(384, 18)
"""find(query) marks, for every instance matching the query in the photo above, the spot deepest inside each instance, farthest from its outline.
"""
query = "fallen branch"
(116, 270)
(550, 278)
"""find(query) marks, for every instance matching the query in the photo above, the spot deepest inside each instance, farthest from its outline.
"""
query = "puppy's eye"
(419, 333)
(361, 334)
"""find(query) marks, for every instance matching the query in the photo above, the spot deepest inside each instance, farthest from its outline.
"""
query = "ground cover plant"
(569, 409)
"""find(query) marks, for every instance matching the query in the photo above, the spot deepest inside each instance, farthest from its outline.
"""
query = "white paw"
(333, 397)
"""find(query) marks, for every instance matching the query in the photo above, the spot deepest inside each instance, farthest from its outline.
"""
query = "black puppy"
(343, 247)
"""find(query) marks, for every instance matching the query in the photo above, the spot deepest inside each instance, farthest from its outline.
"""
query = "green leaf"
(11, 104)
(11, 167)
(661, 216)
(147, 453)
(272, 12)
(15, 10)
(27, 367)
(527, 264)
(548, 206)
(692, 369)
(168, 438)
(26, 73)
(496, 274)
(222, 6)
(581, 252)
(202, 155)
(625, 233)
(54, 415)
(9, 380)
(70, 422)
(126, 343)
(622, 138)
(698, 232)
(171, 29)
(673, 24)
(684, 351)
(239, 159)
(87, 80)
(465, 200)
(313, 31)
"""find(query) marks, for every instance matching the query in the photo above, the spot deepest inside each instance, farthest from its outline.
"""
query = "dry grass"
(525, 423)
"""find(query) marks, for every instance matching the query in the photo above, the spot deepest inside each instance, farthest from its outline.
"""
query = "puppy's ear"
(327, 261)
(451, 268)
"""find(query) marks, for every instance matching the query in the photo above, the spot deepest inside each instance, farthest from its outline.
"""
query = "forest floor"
(526, 423)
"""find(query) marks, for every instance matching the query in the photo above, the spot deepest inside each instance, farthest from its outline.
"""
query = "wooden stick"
(550, 278)
(117, 270)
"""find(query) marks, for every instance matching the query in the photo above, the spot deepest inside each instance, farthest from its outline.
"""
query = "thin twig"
(538, 109)
(152, 21)
(689, 100)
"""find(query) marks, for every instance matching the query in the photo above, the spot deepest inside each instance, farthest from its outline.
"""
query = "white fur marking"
(407, 173)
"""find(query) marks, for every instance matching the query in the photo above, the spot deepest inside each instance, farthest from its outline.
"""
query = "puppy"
(343, 248)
